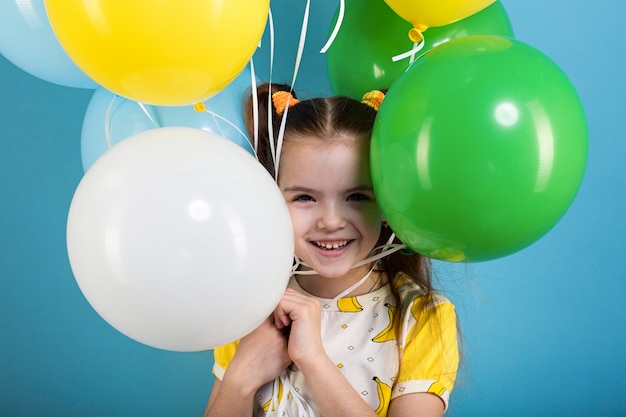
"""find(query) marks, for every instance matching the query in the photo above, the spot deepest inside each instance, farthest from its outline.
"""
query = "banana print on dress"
(389, 332)
(266, 406)
(402, 279)
(349, 305)
(425, 305)
(384, 397)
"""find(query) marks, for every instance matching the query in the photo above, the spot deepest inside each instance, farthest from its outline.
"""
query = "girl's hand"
(302, 313)
(261, 356)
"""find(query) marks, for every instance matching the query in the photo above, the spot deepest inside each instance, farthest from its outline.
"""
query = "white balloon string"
(355, 285)
(281, 131)
(303, 31)
(255, 94)
(414, 56)
(147, 113)
(297, 263)
(410, 54)
(279, 140)
(255, 110)
(333, 35)
(270, 127)
(271, 25)
(217, 116)
(107, 122)
(385, 250)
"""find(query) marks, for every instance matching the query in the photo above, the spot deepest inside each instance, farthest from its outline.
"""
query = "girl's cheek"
(374, 217)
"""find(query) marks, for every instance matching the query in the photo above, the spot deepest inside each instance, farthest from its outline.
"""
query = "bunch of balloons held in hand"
(179, 238)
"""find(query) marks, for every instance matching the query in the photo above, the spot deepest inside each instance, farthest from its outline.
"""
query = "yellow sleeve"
(430, 354)
(223, 356)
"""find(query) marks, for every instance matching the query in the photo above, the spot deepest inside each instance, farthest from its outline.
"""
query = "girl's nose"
(332, 217)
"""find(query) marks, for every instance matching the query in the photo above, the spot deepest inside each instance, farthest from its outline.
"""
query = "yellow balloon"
(426, 13)
(167, 52)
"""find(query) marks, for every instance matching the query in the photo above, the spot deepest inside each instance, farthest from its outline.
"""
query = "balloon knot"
(199, 107)
(416, 35)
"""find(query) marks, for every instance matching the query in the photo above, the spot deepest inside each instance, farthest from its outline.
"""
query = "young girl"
(352, 335)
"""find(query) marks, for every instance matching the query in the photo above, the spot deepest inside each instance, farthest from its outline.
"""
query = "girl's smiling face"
(328, 189)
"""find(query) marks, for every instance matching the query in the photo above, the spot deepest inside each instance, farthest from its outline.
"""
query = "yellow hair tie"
(373, 99)
(282, 100)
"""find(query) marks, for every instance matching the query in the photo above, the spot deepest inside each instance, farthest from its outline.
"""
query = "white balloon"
(180, 239)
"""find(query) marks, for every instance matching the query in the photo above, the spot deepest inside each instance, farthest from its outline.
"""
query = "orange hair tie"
(282, 100)
(373, 99)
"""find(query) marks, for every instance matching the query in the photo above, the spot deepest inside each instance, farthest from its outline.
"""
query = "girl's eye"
(359, 197)
(303, 197)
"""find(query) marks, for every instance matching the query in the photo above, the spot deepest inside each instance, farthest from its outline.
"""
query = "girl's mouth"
(331, 245)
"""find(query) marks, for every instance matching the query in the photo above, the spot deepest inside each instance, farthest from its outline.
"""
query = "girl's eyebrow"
(301, 189)
(296, 188)
(361, 188)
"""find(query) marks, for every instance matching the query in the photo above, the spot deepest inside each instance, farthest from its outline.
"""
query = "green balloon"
(371, 33)
(478, 150)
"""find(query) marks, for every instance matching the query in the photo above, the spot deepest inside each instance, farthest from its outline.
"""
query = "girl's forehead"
(326, 151)
(345, 162)
(311, 143)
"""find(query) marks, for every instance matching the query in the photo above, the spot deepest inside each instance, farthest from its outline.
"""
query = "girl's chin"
(329, 270)
(323, 268)
(332, 274)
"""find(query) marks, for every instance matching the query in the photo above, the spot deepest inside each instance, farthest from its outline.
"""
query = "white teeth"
(334, 245)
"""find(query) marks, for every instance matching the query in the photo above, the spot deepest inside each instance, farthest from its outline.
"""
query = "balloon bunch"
(176, 235)
(180, 239)
(480, 145)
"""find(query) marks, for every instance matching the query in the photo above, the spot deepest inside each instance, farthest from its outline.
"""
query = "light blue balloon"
(27, 40)
(110, 118)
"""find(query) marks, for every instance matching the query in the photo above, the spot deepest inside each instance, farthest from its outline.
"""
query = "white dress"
(359, 338)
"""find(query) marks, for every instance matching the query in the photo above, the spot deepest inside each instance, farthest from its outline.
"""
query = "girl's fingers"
(292, 306)
(281, 319)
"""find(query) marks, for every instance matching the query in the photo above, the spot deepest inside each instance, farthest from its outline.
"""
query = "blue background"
(543, 328)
